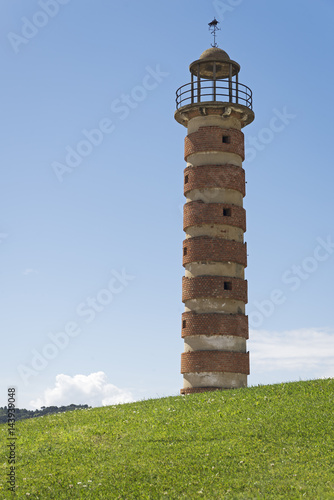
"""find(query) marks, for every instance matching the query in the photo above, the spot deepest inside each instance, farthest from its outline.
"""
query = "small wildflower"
(79, 482)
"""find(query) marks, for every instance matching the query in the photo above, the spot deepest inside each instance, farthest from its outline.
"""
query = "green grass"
(267, 442)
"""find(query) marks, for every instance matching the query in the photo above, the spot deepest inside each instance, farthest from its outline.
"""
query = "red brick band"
(214, 287)
(197, 213)
(193, 390)
(214, 324)
(215, 361)
(214, 176)
(215, 139)
(206, 249)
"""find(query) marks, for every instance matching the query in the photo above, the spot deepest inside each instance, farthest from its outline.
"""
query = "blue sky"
(73, 226)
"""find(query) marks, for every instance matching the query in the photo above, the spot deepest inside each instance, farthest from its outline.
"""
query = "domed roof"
(215, 53)
(214, 59)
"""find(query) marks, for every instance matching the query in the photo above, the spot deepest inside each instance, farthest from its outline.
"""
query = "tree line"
(21, 414)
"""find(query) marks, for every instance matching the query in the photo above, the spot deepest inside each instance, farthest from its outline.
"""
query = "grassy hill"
(267, 442)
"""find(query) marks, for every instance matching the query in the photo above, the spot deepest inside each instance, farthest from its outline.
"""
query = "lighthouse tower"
(214, 107)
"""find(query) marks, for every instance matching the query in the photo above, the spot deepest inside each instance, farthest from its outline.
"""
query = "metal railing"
(214, 91)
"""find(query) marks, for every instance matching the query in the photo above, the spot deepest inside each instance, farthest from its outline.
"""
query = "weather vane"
(213, 27)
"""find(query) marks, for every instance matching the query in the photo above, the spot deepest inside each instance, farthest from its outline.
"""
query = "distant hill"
(267, 442)
(21, 414)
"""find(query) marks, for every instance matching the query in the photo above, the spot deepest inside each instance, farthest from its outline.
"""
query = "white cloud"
(93, 389)
(291, 355)
(30, 271)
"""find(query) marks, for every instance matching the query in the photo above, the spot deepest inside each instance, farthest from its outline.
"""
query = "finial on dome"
(213, 27)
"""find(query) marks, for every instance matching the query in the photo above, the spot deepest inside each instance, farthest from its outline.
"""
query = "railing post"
(192, 88)
(198, 83)
(214, 80)
(230, 82)
(237, 88)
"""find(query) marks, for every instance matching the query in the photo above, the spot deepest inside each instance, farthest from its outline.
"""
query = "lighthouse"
(214, 107)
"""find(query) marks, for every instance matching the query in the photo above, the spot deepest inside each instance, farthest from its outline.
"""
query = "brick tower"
(214, 107)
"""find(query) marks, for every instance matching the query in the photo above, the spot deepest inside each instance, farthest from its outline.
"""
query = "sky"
(92, 192)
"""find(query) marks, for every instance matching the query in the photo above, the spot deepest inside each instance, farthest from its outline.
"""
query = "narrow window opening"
(184, 323)
(185, 251)
(226, 139)
(227, 285)
(227, 212)
(186, 179)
